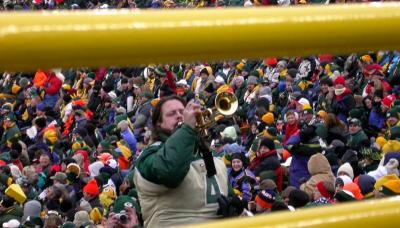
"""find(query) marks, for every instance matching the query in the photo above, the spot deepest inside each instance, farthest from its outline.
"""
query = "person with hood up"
(241, 179)
(343, 101)
(320, 170)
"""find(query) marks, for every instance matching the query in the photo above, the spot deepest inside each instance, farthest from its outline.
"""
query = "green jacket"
(14, 212)
(172, 182)
(169, 169)
(10, 133)
(356, 139)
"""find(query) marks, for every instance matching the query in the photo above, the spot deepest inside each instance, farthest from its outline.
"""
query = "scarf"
(257, 160)
(290, 130)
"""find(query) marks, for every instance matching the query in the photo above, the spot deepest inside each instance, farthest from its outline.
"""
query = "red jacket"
(53, 84)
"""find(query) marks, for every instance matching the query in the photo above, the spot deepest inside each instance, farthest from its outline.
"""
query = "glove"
(392, 166)
(230, 207)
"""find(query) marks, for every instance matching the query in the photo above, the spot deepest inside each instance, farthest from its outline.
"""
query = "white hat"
(229, 132)
(112, 163)
(182, 82)
(13, 223)
(112, 95)
(304, 101)
(219, 80)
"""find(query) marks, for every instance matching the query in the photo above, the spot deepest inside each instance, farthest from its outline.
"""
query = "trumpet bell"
(226, 103)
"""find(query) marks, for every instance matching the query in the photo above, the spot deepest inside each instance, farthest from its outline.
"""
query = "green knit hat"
(125, 201)
(356, 113)
(344, 196)
(105, 144)
(120, 118)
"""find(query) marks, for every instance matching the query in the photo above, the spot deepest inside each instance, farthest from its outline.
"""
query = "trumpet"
(226, 104)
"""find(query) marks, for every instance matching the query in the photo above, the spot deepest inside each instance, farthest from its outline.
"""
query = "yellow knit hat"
(391, 187)
(268, 118)
(381, 141)
(50, 134)
(381, 181)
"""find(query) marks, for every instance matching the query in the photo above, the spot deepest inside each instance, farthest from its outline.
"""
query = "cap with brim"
(61, 177)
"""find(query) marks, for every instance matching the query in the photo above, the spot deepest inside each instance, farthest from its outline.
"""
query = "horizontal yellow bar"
(105, 38)
(369, 213)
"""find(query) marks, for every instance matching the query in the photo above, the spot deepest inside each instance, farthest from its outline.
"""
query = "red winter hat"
(373, 67)
(339, 81)
(388, 100)
(270, 61)
(326, 58)
(91, 188)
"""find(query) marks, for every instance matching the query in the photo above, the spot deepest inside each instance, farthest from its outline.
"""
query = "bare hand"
(189, 114)
(114, 222)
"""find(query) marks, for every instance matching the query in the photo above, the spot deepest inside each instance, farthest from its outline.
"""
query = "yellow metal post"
(372, 213)
(104, 38)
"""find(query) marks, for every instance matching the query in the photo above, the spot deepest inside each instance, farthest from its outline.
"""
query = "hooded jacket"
(320, 170)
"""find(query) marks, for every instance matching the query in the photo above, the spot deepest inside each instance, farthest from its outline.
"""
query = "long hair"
(156, 116)
(332, 121)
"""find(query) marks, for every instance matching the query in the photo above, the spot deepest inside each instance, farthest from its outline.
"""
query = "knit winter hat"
(91, 188)
(252, 80)
(267, 142)
(81, 217)
(346, 168)
(344, 179)
(354, 189)
(266, 198)
(238, 156)
(391, 188)
(229, 132)
(344, 196)
(381, 181)
(268, 184)
(339, 81)
(125, 201)
(366, 184)
(268, 118)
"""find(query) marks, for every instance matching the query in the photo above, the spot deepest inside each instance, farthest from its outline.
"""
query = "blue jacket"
(243, 182)
(130, 140)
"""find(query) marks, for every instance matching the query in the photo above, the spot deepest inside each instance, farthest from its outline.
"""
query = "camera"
(122, 217)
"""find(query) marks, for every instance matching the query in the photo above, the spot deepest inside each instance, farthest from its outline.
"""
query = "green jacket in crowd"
(172, 183)
(14, 212)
